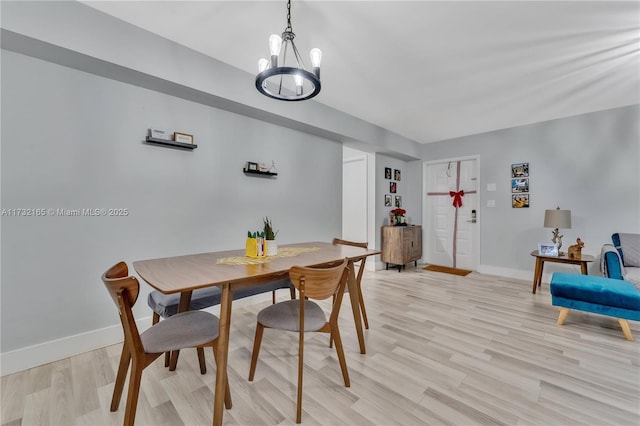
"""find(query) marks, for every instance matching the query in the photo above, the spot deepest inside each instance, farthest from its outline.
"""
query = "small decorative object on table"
(270, 235)
(575, 251)
(256, 245)
(398, 217)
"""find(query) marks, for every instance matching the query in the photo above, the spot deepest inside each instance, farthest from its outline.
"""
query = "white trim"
(54, 350)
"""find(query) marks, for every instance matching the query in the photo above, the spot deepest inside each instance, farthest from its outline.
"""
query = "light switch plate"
(491, 203)
(491, 187)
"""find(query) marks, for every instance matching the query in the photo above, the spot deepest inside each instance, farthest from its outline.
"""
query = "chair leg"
(563, 315)
(256, 350)
(174, 360)
(300, 370)
(132, 396)
(363, 311)
(335, 333)
(203, 365)
(227, 392)
(625, 328)
(292, 291)
(167, 355)
(125, 359)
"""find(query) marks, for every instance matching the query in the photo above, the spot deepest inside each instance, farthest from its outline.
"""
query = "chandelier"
(288, 81)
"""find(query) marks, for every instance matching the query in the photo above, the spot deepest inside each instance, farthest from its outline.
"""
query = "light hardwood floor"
(442, 350)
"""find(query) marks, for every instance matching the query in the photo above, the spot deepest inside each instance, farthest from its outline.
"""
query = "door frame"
(425, 215)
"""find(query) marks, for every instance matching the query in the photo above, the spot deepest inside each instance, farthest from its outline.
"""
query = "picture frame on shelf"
(252, 167)
(387, 200)
(546, 249)
(182, 137)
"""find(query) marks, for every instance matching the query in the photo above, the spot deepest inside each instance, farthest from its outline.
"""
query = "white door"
(354, 199)
(451, 233)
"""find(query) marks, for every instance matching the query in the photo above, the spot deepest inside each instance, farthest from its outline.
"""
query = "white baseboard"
(55, 350)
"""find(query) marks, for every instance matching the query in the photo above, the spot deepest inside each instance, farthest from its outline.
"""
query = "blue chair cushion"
(166, 305)
(606, 296)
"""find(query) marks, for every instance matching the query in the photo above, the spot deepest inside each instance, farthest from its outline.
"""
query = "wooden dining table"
(232, 270)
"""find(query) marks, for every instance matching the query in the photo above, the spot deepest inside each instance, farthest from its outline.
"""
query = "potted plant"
(270, 236)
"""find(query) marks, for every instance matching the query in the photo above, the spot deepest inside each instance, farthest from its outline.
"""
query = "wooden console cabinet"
(401, 245)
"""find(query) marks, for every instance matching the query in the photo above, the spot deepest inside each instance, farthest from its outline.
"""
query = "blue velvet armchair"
(621, 260)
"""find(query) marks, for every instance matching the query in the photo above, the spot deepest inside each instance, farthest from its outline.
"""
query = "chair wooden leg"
(300, 370)
(563, 315)
(167, 355)
(174, 360)
(256, 350)
(227, 392)
(201, 360)
(125, 359)
(132, 396)
(292, 291)
(363, 311)
(625, 328)
(335, 333)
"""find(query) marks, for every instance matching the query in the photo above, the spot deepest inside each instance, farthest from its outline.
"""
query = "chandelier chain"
(289, 28)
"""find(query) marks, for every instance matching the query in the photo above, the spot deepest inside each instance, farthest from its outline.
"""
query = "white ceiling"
(428, 70)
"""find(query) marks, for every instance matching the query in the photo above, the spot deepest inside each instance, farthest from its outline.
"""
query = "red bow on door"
(457, 198)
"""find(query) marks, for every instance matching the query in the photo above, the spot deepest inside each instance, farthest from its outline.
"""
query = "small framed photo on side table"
(548, 250)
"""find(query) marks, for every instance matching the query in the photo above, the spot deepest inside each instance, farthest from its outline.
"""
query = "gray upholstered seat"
(185, 330)
(166, 305)
(286, 316)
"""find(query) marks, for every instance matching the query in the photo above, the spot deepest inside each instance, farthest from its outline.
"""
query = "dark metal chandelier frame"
(268, 69)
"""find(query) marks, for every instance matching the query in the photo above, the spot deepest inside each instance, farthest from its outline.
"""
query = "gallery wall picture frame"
(387, 172)
(520, 170)
(387, 200)
(396, 175)
(520, 201)
(392, 187)
(520, 185)
(398, 201)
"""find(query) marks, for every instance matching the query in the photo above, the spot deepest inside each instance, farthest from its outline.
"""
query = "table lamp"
(557, 219)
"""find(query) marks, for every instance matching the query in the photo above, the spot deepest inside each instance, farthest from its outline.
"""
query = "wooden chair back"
(319, 283)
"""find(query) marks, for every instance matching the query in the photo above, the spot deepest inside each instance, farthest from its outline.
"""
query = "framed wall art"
(396, 175)
(387, 200)
(387, 172)
(520, 170)
(519, 201)
(398, 201)
(392, 187)
(520, 185)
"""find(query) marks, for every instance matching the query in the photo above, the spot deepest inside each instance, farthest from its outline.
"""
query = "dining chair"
(166, 305)
(338, 241)
(185, 330)
(304, 315)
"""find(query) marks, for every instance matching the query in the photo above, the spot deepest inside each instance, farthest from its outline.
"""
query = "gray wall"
(588, 164)
(74, 140)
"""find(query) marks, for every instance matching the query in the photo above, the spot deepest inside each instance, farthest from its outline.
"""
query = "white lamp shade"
(557, 219)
